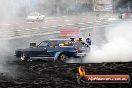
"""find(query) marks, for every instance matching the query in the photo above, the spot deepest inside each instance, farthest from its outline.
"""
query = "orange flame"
(81, 71)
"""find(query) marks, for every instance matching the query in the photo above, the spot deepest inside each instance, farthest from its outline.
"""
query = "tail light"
(77, 50)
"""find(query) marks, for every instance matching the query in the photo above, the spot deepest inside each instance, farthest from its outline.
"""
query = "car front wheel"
(62, 58)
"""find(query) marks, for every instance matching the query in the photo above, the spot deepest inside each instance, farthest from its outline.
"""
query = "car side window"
(79, 44)
(66, 43)
(43, 44)
(52, 44)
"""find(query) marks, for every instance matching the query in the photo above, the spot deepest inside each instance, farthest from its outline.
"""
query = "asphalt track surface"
(24, 29)
(43, 74)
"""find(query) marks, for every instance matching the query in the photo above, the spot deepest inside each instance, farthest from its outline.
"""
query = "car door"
(43, 46)
(40, 50)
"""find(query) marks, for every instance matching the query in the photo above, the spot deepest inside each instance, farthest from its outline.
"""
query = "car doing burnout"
(54, 49)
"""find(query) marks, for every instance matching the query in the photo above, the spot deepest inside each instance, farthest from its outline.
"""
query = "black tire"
(62, 57)
(24, 57)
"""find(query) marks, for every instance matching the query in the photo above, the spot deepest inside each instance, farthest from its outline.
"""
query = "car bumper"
(81, 54)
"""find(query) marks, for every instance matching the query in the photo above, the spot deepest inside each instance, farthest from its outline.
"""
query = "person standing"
(88, 40)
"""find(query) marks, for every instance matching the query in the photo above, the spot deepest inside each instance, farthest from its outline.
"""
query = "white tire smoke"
(117, 49)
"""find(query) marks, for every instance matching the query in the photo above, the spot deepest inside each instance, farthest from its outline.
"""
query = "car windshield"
(43, 44)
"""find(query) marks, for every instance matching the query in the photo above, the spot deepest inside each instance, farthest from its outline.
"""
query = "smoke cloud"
(119, 45)
(10, 11)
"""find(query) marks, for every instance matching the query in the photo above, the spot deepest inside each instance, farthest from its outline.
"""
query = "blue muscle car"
(54, 49)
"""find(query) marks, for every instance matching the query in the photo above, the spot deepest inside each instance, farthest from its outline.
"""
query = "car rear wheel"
(62, 58)
(24, 57)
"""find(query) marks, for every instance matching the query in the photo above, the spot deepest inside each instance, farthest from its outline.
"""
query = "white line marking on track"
(5, 24)
(27, 29)
(34, 28)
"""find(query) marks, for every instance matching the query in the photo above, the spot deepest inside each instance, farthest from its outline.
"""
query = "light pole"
(94, 4)
(128, 8)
